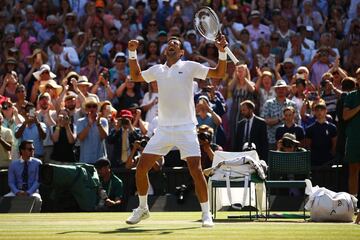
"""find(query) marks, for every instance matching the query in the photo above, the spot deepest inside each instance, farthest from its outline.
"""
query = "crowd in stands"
(65, 84)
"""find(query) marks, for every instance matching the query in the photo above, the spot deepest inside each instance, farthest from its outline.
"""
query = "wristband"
(132, 55)
(222, 56)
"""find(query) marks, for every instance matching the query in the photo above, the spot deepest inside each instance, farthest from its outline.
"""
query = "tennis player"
(176, 118)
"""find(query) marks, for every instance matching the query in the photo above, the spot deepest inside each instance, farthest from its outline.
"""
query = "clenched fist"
(132, 45)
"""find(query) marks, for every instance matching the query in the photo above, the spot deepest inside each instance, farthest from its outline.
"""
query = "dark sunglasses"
(91, 106)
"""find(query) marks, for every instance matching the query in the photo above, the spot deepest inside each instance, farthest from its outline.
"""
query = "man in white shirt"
(61, 54)
(176, 128)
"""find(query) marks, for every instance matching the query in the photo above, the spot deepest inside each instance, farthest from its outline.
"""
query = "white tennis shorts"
(184, 137)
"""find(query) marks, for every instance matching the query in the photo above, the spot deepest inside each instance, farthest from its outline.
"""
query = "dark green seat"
(297, 164)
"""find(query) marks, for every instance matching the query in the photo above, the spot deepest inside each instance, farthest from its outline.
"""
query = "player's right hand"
(132, 45)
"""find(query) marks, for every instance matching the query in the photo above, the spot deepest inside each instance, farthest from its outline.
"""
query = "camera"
(323, 83)
(313, 96)
(32, 112)
(180, 192)
(143, 142)
(124, 121)
(287, 143)
(205, 136)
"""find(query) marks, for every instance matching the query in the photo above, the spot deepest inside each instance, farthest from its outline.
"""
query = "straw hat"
(31, 58)
(83, 80)
(52, 84)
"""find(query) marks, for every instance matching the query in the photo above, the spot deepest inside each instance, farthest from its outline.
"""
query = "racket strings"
(207, 24)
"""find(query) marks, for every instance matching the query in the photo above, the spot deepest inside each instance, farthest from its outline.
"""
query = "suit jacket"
(258, 136)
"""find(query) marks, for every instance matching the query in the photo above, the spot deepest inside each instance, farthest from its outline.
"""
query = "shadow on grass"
(134, 229)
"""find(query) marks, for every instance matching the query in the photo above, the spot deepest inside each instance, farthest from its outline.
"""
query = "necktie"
(247, 131)
(124, 146)
(25, 176)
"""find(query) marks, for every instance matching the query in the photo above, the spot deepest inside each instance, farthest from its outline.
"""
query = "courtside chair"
(284, 164)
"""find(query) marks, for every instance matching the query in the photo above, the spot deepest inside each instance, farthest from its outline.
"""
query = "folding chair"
(285, 163)
(236, 183)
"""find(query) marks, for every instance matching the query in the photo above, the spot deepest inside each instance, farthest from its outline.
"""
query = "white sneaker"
(137, 215)
(207, 220)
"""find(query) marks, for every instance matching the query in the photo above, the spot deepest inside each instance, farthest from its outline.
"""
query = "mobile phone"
(32, 112)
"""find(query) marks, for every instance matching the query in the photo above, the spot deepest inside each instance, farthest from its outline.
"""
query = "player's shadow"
(135, 229)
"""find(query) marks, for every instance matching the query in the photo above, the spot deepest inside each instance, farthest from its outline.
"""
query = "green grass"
(164, 225)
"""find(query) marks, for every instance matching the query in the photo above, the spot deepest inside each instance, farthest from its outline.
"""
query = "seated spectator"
(6, 143)
(92, 131)
(207, 146)
(32, 129)
(123, 136)
(111, 192)
(63, 136)
(321, 137)
(155, 173)
(290, 126)
(23, 176)
(103, 88)
(288, 143)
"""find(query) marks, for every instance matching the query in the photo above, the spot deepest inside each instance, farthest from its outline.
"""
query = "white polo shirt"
(176, 100)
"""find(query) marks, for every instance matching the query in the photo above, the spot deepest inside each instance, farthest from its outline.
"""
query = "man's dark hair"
(23, 144)
(28, 106)
(249, 104)
(54, 40)
(176, 38)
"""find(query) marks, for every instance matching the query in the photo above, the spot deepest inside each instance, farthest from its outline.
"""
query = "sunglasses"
(91, 106)
(6, 106)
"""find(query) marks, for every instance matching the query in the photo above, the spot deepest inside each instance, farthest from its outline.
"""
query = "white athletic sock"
(143, 201)
(205, 207)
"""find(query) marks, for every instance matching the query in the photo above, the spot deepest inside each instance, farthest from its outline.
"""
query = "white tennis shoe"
(137, 215)
(207, 220)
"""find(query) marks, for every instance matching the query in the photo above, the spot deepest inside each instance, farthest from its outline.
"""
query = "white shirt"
(176, 103)
(153, 111)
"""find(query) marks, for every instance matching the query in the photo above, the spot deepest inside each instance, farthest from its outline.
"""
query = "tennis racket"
(207, 23)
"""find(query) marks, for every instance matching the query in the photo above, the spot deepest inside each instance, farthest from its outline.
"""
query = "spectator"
(329, 93)
(288, 143)
(207, 146)
(119, 72)
(127, 94)
(6, 143)
(23, 176)
(251, 130)
(21, 99)
(242, 89)
(273, 111)
(61, 53)
(319, 65)
(46, 115)
(352, 151)
(111, 185)
(92, 131)
(256, 29)
(205, 115)
(92, 66)
(150, 102)
(42, 76)
(32, 129)
(263, 88)
(63, 137)
(321, 137)
(9, 85)
(103, 88)
(11, 119)
(290, 126)
(124, 134)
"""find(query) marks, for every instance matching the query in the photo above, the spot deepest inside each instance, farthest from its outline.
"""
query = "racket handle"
(231, 55)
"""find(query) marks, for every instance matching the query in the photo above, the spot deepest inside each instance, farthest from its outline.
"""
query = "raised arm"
(135, 71)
